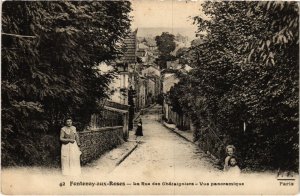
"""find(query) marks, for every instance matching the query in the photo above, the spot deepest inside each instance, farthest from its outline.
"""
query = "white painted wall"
(121, 81)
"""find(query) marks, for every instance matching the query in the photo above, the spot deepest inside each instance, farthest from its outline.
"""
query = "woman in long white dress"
(70, 152)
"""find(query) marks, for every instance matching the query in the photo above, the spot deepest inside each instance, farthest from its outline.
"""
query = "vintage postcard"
(150, 97)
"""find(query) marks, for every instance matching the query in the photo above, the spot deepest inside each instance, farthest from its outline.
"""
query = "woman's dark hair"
(232, 157)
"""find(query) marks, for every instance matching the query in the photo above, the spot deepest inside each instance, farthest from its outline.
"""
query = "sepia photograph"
(149, 97)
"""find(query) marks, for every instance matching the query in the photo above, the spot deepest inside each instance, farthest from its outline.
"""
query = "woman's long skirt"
(70, 159)
(139, 131)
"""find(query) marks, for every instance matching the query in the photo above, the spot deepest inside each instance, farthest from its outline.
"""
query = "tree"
(197, 42)
(182, 54)
(246, 71)
(50, 53)
(181, 51)
(166, 44)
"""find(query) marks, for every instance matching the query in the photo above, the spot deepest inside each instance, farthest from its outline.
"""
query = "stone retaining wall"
(95, 143)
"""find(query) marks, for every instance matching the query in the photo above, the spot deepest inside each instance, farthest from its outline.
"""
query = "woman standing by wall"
(70, 152)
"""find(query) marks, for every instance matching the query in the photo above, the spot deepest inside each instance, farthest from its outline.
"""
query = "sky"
(165, 13)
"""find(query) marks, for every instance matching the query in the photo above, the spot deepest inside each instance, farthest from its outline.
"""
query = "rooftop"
(130, 48)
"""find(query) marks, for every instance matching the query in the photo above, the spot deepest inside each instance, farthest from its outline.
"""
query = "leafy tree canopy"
(246, 71)
(165, 43)
(50, 51)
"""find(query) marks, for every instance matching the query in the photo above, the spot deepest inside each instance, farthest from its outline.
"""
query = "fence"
(106, 118)
(116, 105)
(107, 129)
(181, 121)
(208, 141)
(211, 143)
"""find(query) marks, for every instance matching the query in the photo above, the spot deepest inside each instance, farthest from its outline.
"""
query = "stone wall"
(95, 143)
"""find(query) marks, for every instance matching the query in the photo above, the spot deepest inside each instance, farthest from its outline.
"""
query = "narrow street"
(213, 86)
(161, 150)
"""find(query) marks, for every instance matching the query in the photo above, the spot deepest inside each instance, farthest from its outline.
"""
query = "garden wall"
(95, 143)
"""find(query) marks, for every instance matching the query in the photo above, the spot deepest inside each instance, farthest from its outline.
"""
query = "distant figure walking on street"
(70, 152)
(139, 129)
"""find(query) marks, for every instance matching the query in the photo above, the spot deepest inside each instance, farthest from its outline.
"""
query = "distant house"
(173, 64)
(141, 93)
(143, 55)
(146, 91)
(142, 46)
(151, 71)
(152, 47)
(119, 86)
(125, 65)
(115, 110)
(131, 46)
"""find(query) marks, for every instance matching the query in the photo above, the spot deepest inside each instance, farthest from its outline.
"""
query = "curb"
(185, 138)
(126, 155)
(177, 133)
